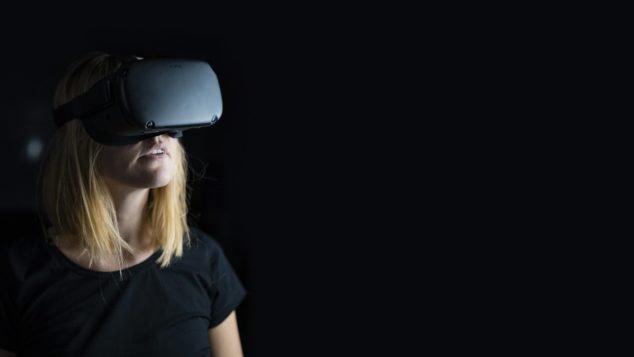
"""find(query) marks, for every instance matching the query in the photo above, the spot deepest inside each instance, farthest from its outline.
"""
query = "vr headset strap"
(95, 99)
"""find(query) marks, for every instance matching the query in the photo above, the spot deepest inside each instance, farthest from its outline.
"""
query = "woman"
(120, 271)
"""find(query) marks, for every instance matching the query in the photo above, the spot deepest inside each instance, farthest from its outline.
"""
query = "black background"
(317, 178)
(387, 180)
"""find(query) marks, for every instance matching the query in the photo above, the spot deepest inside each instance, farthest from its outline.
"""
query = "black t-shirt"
(50, 306)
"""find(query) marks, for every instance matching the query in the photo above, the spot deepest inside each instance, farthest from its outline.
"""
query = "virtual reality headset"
(145, 98)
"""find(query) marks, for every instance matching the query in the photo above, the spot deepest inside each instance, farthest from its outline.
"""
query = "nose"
(158, 138)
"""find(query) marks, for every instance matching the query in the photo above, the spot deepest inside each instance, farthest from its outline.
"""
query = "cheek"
(113, 163)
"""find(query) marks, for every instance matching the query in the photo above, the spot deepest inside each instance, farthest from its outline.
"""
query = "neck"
(130, 204)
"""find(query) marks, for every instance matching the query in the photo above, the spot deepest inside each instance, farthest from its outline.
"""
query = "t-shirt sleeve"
(227, 291)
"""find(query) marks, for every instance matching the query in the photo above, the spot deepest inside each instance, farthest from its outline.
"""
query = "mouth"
(154, 157)
(156, 152)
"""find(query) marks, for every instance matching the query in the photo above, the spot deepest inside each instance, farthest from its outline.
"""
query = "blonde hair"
(74, 202)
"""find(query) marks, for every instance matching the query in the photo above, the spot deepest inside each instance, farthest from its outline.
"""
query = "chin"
(159, 184)
(159, 181)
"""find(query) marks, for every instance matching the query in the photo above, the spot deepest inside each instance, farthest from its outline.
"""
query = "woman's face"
(135, 166)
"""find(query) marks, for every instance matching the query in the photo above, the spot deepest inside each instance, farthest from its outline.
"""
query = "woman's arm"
(5, 353)
(225, 338)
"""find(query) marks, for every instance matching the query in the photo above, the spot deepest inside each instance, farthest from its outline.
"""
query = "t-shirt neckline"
(129, 271)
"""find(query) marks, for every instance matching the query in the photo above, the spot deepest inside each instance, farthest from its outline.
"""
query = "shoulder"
(204, 246)
(18, 254)
(202, 240)
(22, 247)
(203, 255)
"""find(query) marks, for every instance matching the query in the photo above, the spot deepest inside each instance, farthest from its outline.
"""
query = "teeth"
(159, 151)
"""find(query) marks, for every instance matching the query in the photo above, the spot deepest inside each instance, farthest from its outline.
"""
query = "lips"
(156, 149)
